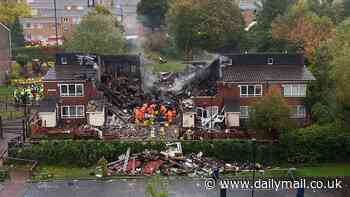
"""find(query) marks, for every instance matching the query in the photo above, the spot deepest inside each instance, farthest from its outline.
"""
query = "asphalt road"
(184, 187)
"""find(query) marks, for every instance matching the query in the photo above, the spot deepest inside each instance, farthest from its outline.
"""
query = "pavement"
(177, 187)
(16, 186)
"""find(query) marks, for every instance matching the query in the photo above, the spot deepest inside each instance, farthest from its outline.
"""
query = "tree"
(204, 24)
(23, 60)
(96, 34)
(270, 114)
(259, 38)
(152, 12)
(340, 48)
(346, 8)
(268, 10)
(17, 37)
(10, 12)
(304, 28)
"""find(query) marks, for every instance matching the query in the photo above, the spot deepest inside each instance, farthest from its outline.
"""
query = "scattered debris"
(172, 162)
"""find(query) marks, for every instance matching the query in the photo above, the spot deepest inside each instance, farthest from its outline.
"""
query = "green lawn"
(60, 172)
(168, 67)
(324, 170)
(6, 90)
(44, 172)
(11, 115)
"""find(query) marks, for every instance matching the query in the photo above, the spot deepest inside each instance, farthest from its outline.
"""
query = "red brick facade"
(232, 90)
(51, 88)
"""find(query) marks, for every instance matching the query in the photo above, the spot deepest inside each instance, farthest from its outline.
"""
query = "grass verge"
(61, 172)
(44, 172)
(168, 67)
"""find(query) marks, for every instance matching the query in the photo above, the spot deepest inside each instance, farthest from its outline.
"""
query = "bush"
(45, 54)
(326, 143)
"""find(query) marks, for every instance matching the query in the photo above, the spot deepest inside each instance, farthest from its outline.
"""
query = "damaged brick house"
(71, 88)
(71, 96)
(246, 77)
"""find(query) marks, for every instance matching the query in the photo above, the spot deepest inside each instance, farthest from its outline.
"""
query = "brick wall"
(233, 91)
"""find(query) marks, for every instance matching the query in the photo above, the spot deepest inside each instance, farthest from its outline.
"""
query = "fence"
(8, 109)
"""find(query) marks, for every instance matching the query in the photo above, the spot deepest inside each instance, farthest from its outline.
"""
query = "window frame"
(247, 90)
(64, 60)
(300, 112)
(294, 90)
(68, 94)
(69, 107)
(240, 111)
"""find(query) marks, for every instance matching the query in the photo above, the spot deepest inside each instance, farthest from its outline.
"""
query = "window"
(72, 89)
(244, 112)
(39, 25)
(72, 111)
(28, 26)
(65, 19)
(250, 90)
(64, 60)
(298, 111)
(294, 90)
(91, 3)
(270, 61)
(133, 68)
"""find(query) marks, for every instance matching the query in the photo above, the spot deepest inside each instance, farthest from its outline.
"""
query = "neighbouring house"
(41, 25)
(71, 95)
(5, 52)
(243, 78)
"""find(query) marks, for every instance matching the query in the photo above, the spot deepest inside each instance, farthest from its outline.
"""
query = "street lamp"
(9, 40)
(56, 28)
(254, 161)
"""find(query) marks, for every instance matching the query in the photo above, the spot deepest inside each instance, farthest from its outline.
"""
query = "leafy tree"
(96, 34)
(17, 36)
(270, 114)
(204, 24)
(10, 12)
(340, 48)
(259, 38)
(22, 59)
(346, 8)
(152, 12)
(320, 97)
(268, 10)
(304, 28)
(329, 8)
(100, 9)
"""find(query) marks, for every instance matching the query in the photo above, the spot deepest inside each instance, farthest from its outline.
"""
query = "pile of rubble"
(172, 163)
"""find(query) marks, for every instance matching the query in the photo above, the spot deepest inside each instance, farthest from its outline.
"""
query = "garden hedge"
(309, 145)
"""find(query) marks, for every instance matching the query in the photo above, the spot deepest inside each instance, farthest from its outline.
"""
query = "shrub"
(326, 143)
